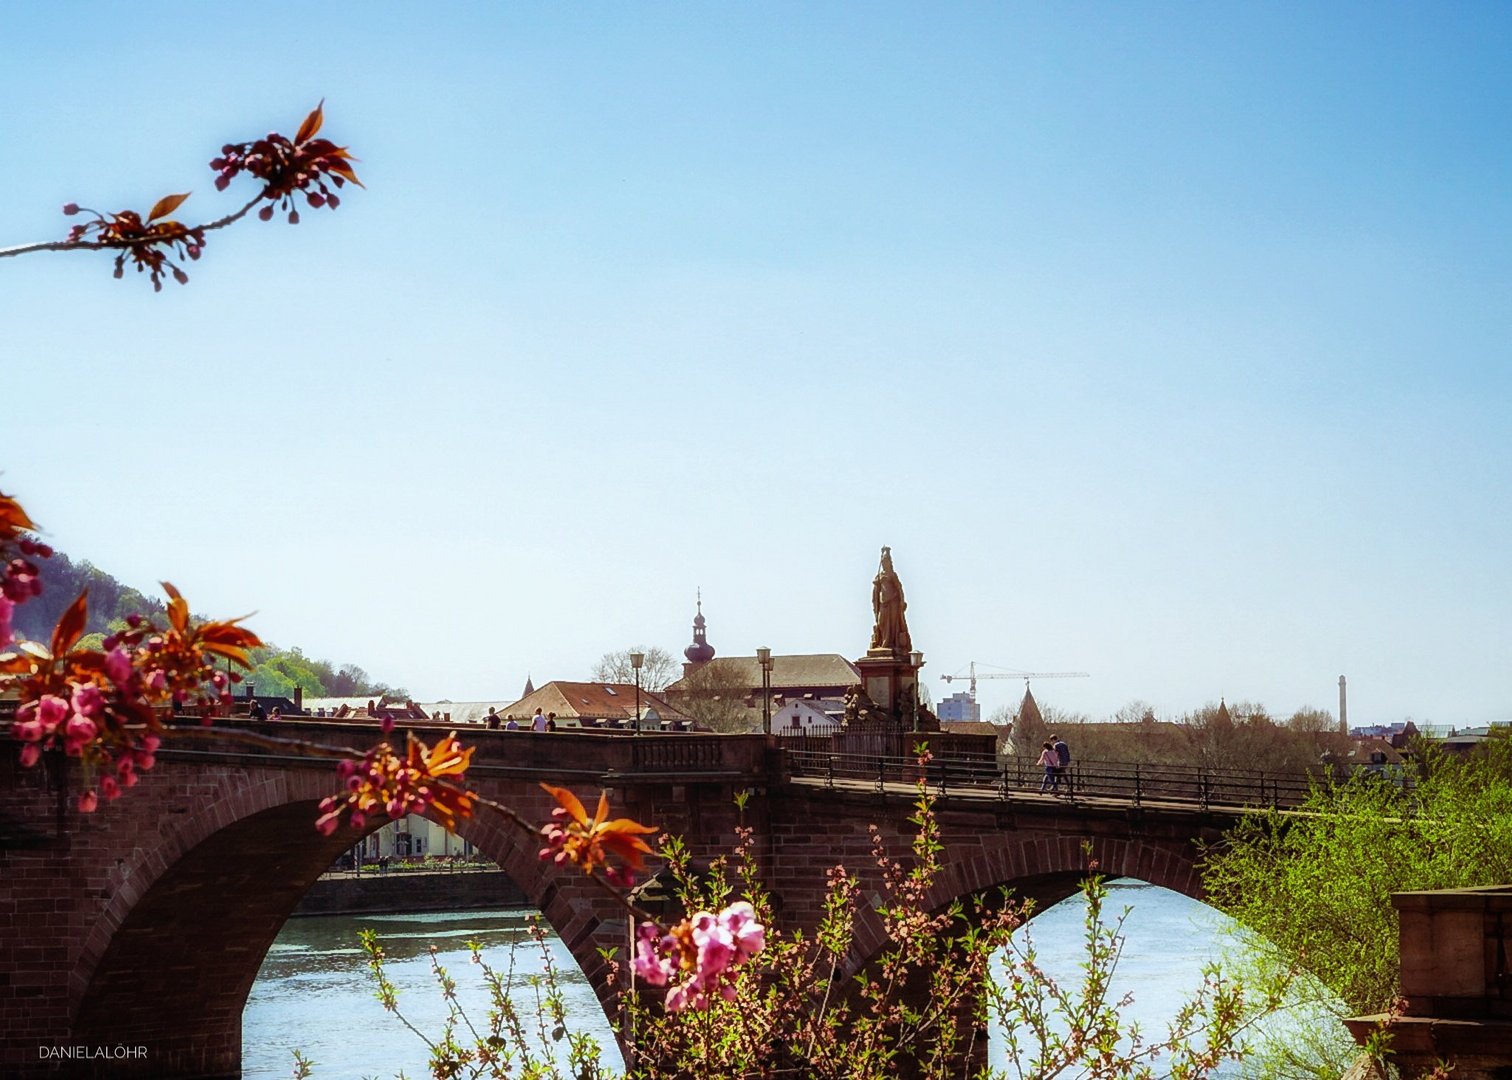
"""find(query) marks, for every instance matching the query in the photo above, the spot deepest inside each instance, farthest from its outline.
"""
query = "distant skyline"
(1166, 343)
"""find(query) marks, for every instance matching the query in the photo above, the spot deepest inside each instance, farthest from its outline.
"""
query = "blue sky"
(1164, 342)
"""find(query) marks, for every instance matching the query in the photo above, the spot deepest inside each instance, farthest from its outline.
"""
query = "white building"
(959, 706)
(819, 716)
(413, 836)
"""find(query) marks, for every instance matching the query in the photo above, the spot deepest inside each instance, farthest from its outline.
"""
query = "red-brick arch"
(174, 951)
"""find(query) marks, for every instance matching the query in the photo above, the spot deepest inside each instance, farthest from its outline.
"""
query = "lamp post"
(917, 660)
(764, 658)
(636, 660)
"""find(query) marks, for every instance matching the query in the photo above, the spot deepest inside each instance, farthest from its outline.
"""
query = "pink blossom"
(652, 961)
(109, 788)
(31, 753)
(6, 607)
(88, 701)
(150, 743)
(157, 682)
(79, 732)
(28, 731)
(748, 935)
(716, 948)
(118, 666)
(51, 711)
(89, 802)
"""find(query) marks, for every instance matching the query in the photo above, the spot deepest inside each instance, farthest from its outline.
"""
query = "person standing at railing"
(1051, 764)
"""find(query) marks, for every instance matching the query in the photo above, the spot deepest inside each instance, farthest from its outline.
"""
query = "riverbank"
(411, 892)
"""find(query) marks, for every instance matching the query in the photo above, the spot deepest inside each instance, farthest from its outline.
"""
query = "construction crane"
(1025, 675)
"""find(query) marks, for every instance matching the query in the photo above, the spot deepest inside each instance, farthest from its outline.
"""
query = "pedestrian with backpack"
(1062, 761)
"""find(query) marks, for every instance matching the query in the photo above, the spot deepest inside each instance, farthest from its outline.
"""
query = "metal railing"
(1133, 782)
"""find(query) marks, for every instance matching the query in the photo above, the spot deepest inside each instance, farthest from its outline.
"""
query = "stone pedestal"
(891, 681)
(1455, 980)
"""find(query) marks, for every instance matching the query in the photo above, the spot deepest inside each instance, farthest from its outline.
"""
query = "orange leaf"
(70, 625)
(178, 608)
(569, 802)
(311, 123)
(346, 172)
(12, 517)
(166, 205)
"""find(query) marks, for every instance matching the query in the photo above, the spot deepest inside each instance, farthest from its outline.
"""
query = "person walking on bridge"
(1062, 761)
(1051, 764)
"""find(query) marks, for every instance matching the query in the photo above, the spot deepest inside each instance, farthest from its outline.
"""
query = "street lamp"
(764, 658)
(916, 658)
(636, 660)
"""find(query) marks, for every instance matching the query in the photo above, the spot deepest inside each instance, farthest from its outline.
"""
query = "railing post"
(1202, 777)
(944, 768)
(881, 775)
(829, 771)
(1138, 785)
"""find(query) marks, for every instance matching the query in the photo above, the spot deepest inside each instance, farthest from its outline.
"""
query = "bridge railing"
(1135, 782)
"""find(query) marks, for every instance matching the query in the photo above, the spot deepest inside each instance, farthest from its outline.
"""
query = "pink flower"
(51, 711)
(748, 935)
(157, 682)
(88, 701)
(109, 788)
(150, 743)
(118, 666)
(652, 961)
(716, 948)
(31, 753)
(6, 607)
(80, 731)
(703, 953)
(28, 731)
(89, 802)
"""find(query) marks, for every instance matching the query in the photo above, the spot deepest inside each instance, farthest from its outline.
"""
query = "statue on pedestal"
(890, 631)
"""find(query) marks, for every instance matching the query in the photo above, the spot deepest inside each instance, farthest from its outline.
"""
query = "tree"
(1313, 889)
(1310, 721)
(657, 669)
(715, 695)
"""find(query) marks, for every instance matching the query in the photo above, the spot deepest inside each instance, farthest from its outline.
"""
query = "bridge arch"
(173, 953)
(1043, 869)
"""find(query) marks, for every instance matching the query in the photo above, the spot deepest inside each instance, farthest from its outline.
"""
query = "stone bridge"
(144, 924)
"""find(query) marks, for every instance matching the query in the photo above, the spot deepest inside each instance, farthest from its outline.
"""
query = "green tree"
(1313, 889)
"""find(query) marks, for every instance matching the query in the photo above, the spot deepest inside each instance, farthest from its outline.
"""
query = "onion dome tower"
(700, 652)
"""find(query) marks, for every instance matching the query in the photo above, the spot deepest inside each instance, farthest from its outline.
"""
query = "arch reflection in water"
(314, 992)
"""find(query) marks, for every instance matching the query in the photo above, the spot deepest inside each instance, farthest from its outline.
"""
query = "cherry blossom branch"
(116, 245)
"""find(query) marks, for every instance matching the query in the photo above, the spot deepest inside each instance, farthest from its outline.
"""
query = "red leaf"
(70, 625)
(311, 123)
(166, 205)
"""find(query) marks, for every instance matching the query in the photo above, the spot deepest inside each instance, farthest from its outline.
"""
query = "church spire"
(700, 652)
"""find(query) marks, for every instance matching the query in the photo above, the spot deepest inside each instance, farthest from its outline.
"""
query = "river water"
(314, 994)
